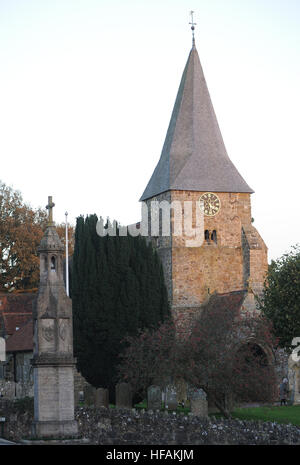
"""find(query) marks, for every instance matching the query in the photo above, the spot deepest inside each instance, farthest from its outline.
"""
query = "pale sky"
(87, 89)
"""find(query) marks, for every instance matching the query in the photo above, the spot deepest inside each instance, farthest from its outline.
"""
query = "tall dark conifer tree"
(117, 288)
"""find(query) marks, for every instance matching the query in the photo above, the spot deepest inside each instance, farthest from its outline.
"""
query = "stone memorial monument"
(53, 362)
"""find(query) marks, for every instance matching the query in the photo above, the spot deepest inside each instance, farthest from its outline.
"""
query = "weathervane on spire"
(193, 26)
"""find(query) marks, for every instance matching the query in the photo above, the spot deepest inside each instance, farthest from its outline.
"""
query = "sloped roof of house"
(22, 339)
(15, 311)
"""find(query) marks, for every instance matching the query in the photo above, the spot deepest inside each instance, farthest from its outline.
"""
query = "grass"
(284, 414)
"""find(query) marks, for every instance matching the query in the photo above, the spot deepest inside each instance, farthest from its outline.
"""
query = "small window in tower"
(206, 235)
(214, 236)
(53, 265)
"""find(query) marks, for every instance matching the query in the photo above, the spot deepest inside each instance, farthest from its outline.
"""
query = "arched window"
(206, 235)
(214, 236)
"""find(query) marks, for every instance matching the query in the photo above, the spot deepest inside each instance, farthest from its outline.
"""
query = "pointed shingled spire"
(194, 156)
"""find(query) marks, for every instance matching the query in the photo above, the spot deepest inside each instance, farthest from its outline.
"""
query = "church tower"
(53, 361)
(194, 166)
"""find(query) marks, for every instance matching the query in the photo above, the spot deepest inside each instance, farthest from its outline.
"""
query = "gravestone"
(89, 395)
(199, 404)
(101, 397)
(154, 398)
(171, 397)
(181, 390)
(123, 395)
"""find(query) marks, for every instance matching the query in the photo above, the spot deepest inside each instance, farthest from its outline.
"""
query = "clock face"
(211, 203)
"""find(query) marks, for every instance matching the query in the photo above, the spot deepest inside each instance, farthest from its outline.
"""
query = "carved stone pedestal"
(53, 362)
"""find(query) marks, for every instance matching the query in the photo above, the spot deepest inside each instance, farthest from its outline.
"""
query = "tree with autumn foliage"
(151, 357)
(21, 231)
(225, 354)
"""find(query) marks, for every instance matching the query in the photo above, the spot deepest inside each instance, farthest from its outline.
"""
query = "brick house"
(16, 329)
(19, 352)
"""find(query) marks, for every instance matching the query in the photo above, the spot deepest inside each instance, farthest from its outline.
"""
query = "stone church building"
(194, 165)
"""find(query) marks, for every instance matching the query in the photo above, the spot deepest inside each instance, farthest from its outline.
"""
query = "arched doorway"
(256, 375)
(254, 350)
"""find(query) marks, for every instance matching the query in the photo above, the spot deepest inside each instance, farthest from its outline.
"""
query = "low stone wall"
(18, 416)
(121, 427)
(12, 390)
(133, 427)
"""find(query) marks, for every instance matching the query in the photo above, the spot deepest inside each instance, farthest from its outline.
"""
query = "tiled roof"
(21, 340)
(231, 301)
(15, 311)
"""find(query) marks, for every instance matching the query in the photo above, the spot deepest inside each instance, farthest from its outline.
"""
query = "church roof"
(230, 301)
(194, 156)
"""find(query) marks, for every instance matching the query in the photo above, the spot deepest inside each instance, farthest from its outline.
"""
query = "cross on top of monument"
(50, 207)
(193, 26)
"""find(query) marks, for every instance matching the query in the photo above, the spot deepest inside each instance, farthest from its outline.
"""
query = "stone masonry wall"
(132, 427)
(236, 261)
(12, 390)
(218, 267)
(163, 244)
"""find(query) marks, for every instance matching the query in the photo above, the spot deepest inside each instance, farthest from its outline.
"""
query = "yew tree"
(117, 288)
